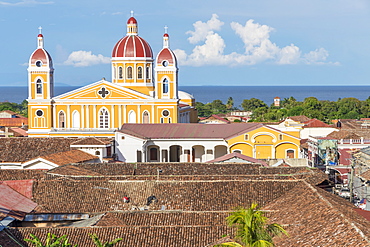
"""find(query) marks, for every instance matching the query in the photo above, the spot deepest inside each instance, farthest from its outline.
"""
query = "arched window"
(165, 85)
(76, 119)
(97, 153)
(140, 73)
(129, 73)
(145, 117)
(147, 72)
(61, 120)
(132, 117)
(103, 119)
(120, 74)
(153, 154)
(39, 86)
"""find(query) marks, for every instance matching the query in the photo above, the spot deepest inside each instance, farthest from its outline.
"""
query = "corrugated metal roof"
(188, 131)
(14, 204)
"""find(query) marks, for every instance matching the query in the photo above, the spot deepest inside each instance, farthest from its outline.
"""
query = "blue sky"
(235, 42)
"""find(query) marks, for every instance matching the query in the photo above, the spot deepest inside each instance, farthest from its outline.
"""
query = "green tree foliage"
(17, 108)
(51, 241)
(253, 104)
(252, 229)
(230, 103)
(98, 243)
(215, 107)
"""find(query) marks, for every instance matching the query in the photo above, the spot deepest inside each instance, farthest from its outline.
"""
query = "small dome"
(166, 55)
(40, 35)
(132, 46)
(184, 95)
(41, 55)
(165, 35)
(132, 20)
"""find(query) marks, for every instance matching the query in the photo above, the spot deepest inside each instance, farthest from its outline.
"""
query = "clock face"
(38, 63)
(165, 113)
(165, 63)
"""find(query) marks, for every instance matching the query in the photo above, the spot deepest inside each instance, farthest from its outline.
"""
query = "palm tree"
(51, 241)
(98, 243)
(252, 229)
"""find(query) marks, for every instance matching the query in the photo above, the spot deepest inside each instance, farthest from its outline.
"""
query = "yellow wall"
(264, 143)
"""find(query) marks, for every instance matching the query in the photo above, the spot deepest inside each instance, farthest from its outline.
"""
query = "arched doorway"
(175, 153)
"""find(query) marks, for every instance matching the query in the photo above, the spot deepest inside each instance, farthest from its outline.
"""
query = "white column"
(69, 117)
(87, 117)
(82, 116)
(119, 116)
(124, 114)
(152, 114)
(138, 114)
(112, 113)
(94, 117)
(53, 108)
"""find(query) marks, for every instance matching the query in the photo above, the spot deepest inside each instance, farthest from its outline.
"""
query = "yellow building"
(142, 90)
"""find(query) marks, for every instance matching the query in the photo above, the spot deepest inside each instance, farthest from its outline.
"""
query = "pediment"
(102, 90)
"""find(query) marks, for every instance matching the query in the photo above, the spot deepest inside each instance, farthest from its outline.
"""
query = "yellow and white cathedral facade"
(142, 90)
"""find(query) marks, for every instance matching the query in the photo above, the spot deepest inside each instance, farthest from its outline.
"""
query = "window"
(280, 137)
(39, 113)
(132, 117)
(162, 119)
(75, 119)
(97, 153)
(61, 120)
(129, 73)
(140, 73)
(165, 85)
(237, 151)
(153, 154)
(145, 117)
(138, 156)
(148, 72)
(39, 86)
(290, 154)
(120, 74)
(103, 119)
(165, 113)
(39, 63)
(246, 137)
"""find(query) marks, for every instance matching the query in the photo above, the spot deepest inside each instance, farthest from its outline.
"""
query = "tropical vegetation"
(252, 228)
(21, 108)
(324, 110)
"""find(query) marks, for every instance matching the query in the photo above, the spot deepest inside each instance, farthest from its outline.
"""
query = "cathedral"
(142, 90)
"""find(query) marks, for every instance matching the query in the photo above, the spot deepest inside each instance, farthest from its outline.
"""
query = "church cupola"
(132, 25)
(40, 72)
(166, 71)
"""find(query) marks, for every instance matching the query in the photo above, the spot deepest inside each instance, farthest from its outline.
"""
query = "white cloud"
(258, 47)
(85, 58)
(203, 29)
(24, 3)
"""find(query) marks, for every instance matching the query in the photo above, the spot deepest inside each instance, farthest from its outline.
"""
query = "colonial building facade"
(142, 90)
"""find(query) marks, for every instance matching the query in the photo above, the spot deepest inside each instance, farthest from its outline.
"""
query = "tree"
(98, 243)
(51, 241)
(252, 104)
(252, 229)
(230, 103)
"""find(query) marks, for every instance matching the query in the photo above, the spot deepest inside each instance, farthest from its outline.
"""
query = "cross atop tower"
(165, 29)
(40, 29)
(132, 13)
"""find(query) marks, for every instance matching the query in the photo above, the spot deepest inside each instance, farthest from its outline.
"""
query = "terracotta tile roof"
(237, 155)
(219, 117)
(348, 134)
(92, 141)
(20, 174)
(19, 132)
(315, 123)
(22, 149)
(13, 122)
(365, 175)
(68, 157)
(332, 220)
(300, 118)
(171, 131)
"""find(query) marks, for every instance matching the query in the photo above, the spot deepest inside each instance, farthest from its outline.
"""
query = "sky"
(217, 43)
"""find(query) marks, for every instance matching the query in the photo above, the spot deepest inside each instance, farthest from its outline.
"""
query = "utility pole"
(351, 181)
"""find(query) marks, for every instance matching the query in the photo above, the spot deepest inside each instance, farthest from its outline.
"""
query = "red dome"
(132, 20)
(41, 55)
(40, 35)
(132, 46)
(165, 35)
(166, 55)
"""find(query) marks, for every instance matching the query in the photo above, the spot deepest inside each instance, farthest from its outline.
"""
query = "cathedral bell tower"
(40, 72)
(40, 90)
(166, 72)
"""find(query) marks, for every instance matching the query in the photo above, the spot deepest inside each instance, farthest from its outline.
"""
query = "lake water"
(207, 94)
